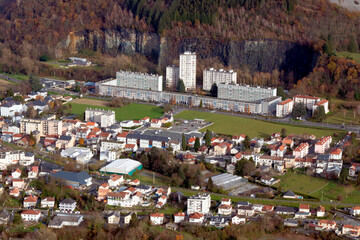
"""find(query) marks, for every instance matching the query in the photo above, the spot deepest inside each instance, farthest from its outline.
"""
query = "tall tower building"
(188, 69)
(172, 76)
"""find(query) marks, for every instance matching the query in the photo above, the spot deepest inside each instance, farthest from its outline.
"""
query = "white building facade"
(199, 204)
(172, 76)
(244, 92)
(105, 118)
(284, 108)
(187, 70)
(139, 80)
(211, 76)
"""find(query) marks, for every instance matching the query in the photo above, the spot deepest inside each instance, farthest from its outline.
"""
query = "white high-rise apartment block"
(284, 108)
(244, 92)
(105, 118)
(199, 204)
(172, 76)
(139, 80)
(212, 76)
(188, 69)
(308, 101)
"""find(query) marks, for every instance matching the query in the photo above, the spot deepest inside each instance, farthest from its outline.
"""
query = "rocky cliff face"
(260, 55)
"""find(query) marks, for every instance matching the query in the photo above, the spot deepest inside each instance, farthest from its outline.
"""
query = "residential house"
(246, 210)
(221, 149)
(61, 220)
(155, 123)
(219, 221)
(323, 103)
(196, 218)
(114, 218)
(163, 191)
(18, 183)
(285, 210)
(278, 150)
(34, 172)
(130, 147)
(122, 199)
(135, 182)
(327, 224)
(354, 170)
(115, 180)
(320, 211)
(179, 217)
(14, 192)
(225, 209)
(30, 201)
(48, 202)
(336, 153)
(104, 189)
(351, 230)
(237, 139)
(199, 204)
(5, 217)
(31, 215)
(161, 201)
(157, 218)
(67, 205)
(355, 211)
(16, 174)
(65, 142)
(267, 209)
(238, 219)
(304, 211)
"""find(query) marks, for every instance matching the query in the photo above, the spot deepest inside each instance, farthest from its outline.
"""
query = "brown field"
(92, 102)
(5, 85)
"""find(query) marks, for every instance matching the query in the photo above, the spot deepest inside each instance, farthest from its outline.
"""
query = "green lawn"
(339, 118)
(318, 187)
(354, 56)
(231, 125)
(133, 111)
(21, 77)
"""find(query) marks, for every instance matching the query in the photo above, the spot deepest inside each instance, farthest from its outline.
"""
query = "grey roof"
(4, 215)
(137, 135)
(142, 186)
(323, 157)
(65, 138)
(77, 177)
(285, 209)
(289, 194)
(29, 154)
(68, 201)
(38, 103)
(59, 219)
(243, 203)
(178, 193)
(49, 167)
(10, 104)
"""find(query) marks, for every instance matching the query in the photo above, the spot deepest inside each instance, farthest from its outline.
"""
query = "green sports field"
(319, 187)
(232, 125)
(133, 111)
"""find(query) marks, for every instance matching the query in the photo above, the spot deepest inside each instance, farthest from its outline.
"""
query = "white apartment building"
(15, 157)
(105, 118)
(67, 205)
(211, 76)
(323, 144)
(187, 70)
(109, 151)
(308, 101)
(80, 154)
(284, 108)
(199, 204)
(9, 109)
(245, 92)
(172, 76)
(31, 215)
(44, 126)
(324, 103)
(301, 151)
(139, 80)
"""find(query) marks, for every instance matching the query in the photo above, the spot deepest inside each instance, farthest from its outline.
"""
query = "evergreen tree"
(246, 142)
(10, 92)
(183, 144)
(353, 44)
(319, 114)
(283, 132)
(281, 93)
(208, 138)
(180, 86)
(35, 83)
(197, 144)
(210, 184)
(201, 104)
(299, 110)
(343, 175)
(134, 222)
(214, 90)
(244, 167)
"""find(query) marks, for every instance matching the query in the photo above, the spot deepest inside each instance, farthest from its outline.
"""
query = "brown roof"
(156, 215)
(196, 215)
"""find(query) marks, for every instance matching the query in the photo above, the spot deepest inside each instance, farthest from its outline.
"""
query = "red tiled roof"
(285, 102)
(157, 215)
(31, 212)
(196, 215)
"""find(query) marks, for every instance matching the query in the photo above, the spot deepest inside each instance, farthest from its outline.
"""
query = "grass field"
(339, 118)
(5, 85)
(231, 125)
(133, 111)
(21, 77)
(318, 187)
(354, 56)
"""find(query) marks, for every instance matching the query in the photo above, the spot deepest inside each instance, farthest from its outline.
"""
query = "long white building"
(105, 118)
(172, 76)
(211, 76)
(139, 80)
(284, 108)
(108, 88)
(187, 71)
(244, 92)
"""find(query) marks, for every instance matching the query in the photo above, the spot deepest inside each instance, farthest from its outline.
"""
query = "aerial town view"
(180, 119)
